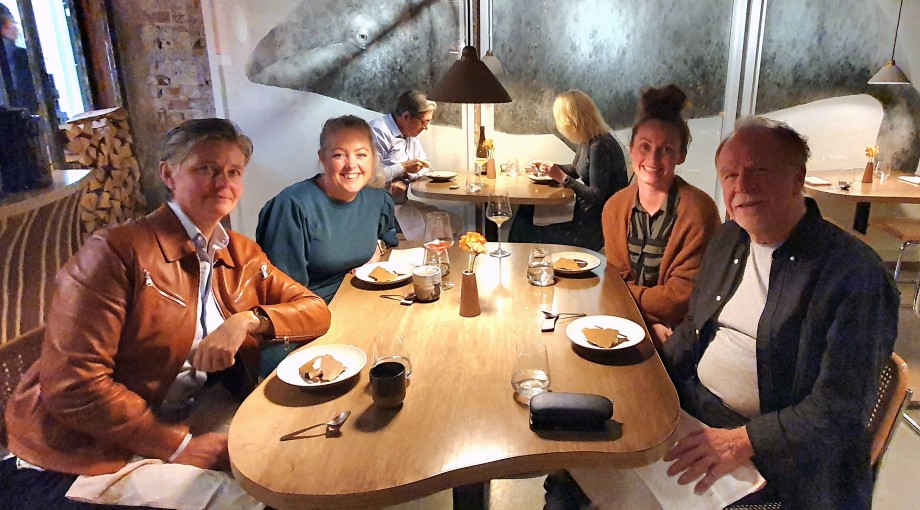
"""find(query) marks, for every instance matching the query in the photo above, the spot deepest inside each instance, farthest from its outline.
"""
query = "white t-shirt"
(729, 365)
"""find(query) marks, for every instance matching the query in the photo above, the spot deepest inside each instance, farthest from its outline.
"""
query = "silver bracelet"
(180, 449)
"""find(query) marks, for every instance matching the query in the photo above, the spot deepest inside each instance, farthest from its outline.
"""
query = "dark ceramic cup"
(388, 383)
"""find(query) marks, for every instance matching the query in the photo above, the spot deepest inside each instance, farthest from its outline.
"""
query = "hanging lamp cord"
(896, 27)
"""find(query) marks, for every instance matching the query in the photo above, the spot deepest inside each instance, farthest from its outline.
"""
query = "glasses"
(424, 122)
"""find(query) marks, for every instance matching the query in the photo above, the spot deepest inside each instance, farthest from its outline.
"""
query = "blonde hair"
(577, 117)
(357, 124)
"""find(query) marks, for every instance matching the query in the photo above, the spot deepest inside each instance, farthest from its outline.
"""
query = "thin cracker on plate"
(323, 368)
(383, 276)
(566, 264)
(604, 337)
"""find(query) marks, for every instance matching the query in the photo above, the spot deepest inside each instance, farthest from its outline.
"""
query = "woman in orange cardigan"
(656, 230)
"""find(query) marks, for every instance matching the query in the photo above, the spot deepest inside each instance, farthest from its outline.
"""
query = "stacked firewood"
(101, 141)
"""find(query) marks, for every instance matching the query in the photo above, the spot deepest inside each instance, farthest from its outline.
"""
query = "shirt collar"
(219, 239)
(390, 121)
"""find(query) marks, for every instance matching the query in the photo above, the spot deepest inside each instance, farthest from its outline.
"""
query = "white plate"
(441, 175)
(541, 179)
(353, 358)
(402, 268)
(587, 257)
(634, 332)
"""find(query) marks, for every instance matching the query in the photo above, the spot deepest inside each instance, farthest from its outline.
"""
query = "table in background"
(892, 191)
(521, 191)
(460, 423)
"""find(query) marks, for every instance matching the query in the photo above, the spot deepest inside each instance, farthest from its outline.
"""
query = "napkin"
(544, 215)
(650, 487)
(816, 181)
(913, 179)
(414, 256)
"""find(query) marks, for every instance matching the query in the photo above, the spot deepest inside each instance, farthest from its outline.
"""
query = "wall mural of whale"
(367, 52)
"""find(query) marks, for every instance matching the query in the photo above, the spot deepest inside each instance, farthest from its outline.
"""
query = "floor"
(895, 489)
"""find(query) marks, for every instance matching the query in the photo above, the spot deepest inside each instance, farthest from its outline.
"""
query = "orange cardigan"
(697, 219)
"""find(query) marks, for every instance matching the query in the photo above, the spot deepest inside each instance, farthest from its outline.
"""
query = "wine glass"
(883, 169)
(499, 211)
(439, 238)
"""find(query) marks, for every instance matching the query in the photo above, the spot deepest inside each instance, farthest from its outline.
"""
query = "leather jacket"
(122, 323)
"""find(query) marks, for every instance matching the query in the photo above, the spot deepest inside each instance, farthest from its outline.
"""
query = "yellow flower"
(873, 150)
(475, 243)
(488, 144)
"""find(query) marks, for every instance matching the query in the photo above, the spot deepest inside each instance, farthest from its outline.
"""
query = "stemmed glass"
(439, 238)
(882, 170)
(499, 211)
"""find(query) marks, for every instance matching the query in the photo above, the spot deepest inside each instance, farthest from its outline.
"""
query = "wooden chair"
(907, 230)
(893, 396)
(16, 356)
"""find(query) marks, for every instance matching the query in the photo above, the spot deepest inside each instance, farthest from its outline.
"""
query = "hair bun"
(664, 103)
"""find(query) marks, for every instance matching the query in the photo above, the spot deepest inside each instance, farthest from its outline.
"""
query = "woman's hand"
(207, 451)
(553, 170)
(216, 351)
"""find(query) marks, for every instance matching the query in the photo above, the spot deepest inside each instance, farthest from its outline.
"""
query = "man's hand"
(712, 452)
(207, 451)
(415, 165)
(216, 351)
(661, 333)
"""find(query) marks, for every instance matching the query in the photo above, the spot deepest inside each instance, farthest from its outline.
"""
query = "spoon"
(332, 427)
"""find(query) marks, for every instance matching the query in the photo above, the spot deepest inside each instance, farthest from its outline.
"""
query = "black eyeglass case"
(569, 411)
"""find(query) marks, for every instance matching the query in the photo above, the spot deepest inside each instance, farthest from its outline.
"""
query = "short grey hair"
(414, 103)
(796, 144)
(181, 140)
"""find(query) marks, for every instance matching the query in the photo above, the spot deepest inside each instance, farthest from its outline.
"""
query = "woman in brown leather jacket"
(144, 315)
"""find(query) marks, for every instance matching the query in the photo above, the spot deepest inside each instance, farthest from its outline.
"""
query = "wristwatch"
(265, 322)
(567, 181)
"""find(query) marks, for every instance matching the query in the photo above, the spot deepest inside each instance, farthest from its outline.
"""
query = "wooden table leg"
(861, 218)
(471, 497)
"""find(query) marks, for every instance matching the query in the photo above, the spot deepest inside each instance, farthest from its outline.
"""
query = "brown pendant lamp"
(890, 73)
(469, 81)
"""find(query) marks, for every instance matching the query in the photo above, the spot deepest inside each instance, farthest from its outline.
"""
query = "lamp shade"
(469, 81)
(889, 74)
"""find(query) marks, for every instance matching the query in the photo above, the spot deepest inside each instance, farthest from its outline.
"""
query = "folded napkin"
(414, 256)
(913, 179)
(544, 215)
(650, 487)
(816, 181)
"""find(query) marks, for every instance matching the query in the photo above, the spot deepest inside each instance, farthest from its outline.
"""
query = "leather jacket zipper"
(148, 281)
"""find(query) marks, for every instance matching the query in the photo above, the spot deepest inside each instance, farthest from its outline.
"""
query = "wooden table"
(892, 190)
(521, 190)
(460, 423)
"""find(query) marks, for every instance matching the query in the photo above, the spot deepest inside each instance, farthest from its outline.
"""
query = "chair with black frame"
(16, 356)
(893, 397)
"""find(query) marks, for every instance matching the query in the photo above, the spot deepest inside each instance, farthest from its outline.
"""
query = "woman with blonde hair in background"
(597, 172)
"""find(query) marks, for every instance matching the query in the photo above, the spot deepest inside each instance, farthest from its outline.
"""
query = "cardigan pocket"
(148, 282)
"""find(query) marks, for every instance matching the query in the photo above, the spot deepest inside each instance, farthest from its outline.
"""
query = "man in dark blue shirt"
(791, 322)
(14, 66)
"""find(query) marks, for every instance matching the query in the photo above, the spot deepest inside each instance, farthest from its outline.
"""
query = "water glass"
(474, 180)
(392, 347)
(531, 370)
(883, 169)
(540, 269)
(512, 169)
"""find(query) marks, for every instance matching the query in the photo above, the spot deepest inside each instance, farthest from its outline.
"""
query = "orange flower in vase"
(872, 152)
(475, 244)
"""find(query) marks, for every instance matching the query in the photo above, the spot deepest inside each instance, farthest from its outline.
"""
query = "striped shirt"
(648, 237)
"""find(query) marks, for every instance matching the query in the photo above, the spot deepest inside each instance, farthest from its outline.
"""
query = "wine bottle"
(481, 150)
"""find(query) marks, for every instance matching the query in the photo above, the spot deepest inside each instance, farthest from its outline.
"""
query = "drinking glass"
(540, 268)
(531, 370)
(883, 169)
(512, 169)
(439, 237)
(473, 177)
(846, 178)
(392, 347)
(499, 211)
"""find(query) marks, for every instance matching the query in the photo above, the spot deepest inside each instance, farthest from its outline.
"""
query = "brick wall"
(163, 60)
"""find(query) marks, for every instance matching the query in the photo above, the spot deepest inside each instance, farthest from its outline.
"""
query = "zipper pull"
(264, 271)
(148, 281)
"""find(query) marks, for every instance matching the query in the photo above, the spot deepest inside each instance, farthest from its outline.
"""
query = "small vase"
(867, 173)
(490, 169)
(469, 295)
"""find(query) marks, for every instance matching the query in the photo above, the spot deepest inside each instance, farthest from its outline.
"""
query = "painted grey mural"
(813, 50)
(367, 52)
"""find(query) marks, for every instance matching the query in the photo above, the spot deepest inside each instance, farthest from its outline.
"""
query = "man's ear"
(166, 175)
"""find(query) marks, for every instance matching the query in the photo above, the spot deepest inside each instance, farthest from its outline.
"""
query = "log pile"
(101, 141)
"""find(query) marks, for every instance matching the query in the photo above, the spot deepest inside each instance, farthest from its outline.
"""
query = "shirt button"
(792, 258)
(718, 298)
(697, 332)
(736, 261)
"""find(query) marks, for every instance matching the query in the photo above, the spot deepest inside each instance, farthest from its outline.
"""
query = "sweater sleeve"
(386, 227)
(606, 172)
(283, 234)
(668, 302)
